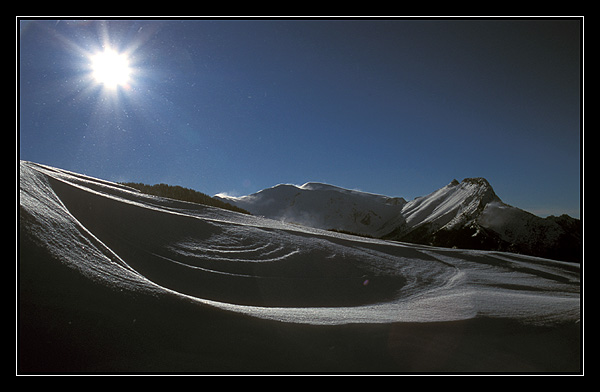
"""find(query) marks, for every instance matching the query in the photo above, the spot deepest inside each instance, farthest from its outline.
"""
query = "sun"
(111, 69)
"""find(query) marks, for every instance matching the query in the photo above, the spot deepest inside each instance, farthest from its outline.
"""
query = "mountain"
(111, 279)
(466, 214)
(326, 207)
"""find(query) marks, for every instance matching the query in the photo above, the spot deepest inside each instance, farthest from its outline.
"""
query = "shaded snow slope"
(117, 237)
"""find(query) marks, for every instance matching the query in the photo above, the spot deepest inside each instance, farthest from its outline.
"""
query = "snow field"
(279, 271)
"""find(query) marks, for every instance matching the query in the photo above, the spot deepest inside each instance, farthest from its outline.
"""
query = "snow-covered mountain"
(466, 214)
(114, 280)
(326, 207)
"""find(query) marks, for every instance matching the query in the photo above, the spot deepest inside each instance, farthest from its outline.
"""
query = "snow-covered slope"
(326, 207)
(330, 207)
(142, 255)
(451, 205)
(469, 214)
(124, 238)
(466, 214)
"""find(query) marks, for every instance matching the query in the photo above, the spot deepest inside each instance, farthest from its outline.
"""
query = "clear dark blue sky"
(397, 107)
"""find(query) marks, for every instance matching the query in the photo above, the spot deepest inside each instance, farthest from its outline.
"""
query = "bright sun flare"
(111, 69)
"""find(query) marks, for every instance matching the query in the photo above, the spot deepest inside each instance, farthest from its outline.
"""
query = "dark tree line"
(184, 194)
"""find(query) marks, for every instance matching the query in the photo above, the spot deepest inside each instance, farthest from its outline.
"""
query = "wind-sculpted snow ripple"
(229, 247)
(281, 268)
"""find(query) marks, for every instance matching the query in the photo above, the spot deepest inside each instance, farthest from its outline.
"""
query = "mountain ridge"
(466, 214)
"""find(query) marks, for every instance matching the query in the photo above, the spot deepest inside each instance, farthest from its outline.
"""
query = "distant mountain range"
(466, 214)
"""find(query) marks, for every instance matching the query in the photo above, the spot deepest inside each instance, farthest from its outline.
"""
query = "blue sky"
(392, 106)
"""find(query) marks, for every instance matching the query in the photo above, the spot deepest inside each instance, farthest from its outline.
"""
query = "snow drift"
(145, 249)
